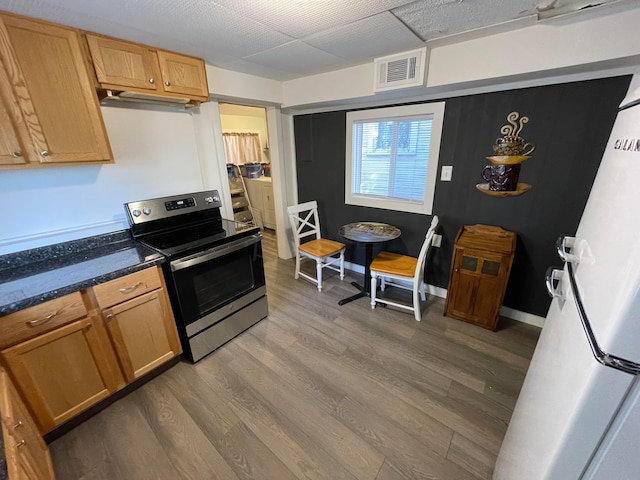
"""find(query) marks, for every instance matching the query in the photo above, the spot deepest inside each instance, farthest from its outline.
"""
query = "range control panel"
(165, 207)
(184, 203)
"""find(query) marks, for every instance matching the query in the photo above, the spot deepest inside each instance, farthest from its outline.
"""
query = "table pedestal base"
(362, 293)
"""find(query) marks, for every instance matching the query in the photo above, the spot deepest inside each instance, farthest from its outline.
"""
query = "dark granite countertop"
(34, 276)
(4, 475)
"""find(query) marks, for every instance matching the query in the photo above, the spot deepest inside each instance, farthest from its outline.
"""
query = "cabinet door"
(477, 286)
(143, 333)
(123, 64)
(269, 209)
(61, 373)
(184, 75)
(46, 68)
(27, 454)
(13, 148)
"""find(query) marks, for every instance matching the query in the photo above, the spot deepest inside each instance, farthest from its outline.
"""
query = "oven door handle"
(214, 252)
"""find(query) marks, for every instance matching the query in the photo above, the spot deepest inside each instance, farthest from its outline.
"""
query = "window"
(392, 157)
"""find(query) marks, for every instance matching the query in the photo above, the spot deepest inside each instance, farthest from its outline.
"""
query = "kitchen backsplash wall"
(155, 155)
(570, 124)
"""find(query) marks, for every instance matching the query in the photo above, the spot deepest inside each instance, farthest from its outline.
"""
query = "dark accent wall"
(570, 124)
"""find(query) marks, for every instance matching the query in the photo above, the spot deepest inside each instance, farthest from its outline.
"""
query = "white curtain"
(241, 148)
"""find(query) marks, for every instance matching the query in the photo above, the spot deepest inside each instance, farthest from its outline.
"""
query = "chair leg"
(297, 274)
(416, 303)
(342, 265)
(374, 286)
(423, 292)
(383, 283)
(319, 274)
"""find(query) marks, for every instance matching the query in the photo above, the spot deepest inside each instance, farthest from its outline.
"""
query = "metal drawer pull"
(108, 317)
(18, 425)
(21, 443)
(554, 275)
(16, 154)
(42, 321)
(131, 288)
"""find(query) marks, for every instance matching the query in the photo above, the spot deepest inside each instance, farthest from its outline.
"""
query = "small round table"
(367, 233)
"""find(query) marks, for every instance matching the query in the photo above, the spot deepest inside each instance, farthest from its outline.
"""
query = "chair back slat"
(424, 250)
(304, 221)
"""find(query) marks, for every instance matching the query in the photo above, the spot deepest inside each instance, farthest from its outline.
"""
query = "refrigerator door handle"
(604, 358)
(554, 289)
(564, 246)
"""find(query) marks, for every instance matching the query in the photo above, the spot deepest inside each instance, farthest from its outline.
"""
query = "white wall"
(582, 44)
(156, 154)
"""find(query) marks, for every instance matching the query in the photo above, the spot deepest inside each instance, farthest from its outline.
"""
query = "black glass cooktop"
(196, 237)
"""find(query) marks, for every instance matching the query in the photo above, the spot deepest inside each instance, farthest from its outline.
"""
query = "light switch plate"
(446, 173)
(437, 240)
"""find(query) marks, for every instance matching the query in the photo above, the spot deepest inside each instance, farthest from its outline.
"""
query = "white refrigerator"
(578, 413)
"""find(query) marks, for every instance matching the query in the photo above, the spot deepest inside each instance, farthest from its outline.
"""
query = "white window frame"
(435, 109)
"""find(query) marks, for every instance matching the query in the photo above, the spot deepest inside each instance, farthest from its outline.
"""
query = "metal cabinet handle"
(16, 154)
(21, 443)
(88, 326)
(554, 274)
(130, 289)
(18, 425)
(44, 153)
(152, 80)
(108, 317)
(42, 321)
(167, 83)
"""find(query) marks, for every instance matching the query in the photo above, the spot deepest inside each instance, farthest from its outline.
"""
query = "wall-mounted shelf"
(522, 188)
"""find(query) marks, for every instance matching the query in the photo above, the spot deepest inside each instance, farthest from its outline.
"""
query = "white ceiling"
(286, 39)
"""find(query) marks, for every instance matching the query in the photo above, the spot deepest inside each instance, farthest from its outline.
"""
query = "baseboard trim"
(512, 313)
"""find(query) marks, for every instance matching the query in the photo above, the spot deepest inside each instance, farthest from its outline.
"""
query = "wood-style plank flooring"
(317, 391)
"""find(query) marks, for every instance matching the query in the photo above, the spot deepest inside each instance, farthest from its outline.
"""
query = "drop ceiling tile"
(300, 19)
(431, 19)
(251, 68)
(296, 57)
(376, 36)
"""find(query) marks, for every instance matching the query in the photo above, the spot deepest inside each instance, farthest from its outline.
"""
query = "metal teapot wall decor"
(509, 151)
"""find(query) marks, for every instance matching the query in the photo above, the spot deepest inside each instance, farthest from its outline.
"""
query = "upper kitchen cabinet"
(52, 111)
(122, 64)
(133, 68)
(182, 74)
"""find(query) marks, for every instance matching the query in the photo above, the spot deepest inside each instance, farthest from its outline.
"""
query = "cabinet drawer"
(124, 288)
(31, 322)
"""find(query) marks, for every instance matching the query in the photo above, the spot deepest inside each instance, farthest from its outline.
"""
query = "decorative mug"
(502, 178)
(510, 145)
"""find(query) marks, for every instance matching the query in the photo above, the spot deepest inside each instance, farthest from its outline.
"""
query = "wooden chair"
(326, 253)
(403, 272)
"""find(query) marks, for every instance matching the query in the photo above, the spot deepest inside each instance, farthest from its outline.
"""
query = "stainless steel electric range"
(214, 269)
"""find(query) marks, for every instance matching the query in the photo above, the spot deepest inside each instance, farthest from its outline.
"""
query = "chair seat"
(394, 264)
(321, 247)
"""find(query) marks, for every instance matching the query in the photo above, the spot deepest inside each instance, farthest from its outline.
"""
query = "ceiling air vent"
(400, 71)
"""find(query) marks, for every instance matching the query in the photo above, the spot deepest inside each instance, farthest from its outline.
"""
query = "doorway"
(246, 141)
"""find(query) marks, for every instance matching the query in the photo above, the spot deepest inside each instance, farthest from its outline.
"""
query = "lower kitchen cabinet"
(27, 455)
(62, 372)
(143, 333)
(98, 341)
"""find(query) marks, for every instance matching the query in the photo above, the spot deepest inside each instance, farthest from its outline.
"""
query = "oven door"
(215, 283)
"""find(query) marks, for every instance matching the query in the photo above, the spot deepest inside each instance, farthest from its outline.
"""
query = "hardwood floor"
(317, 391)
